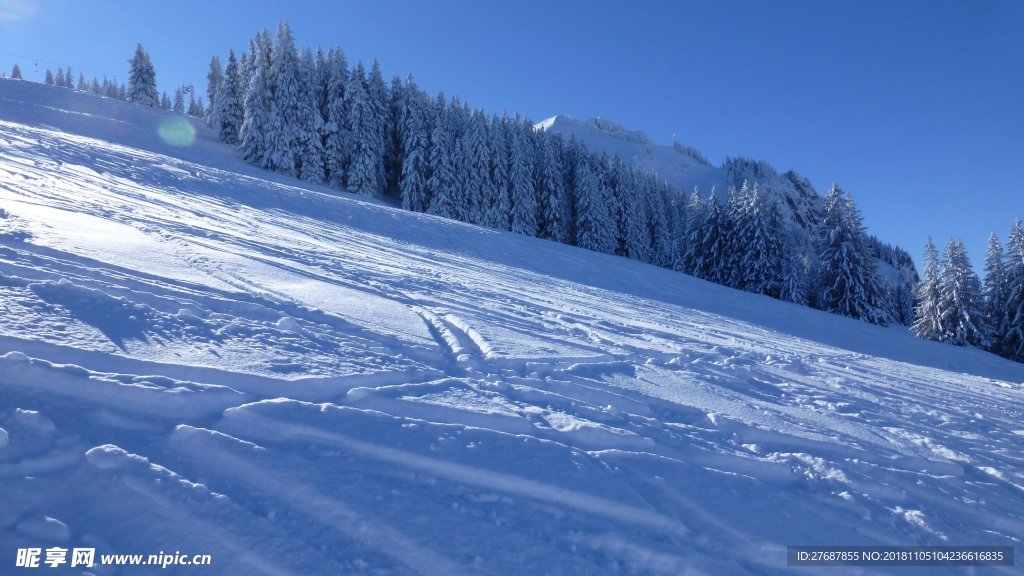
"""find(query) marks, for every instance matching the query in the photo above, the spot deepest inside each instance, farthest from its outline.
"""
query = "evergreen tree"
(902, 303)
(442, 185)
(311, 161)
(994, 295)
(795, 273)
(283, 124)
(633, 193)
(569, 156)
(496, 197)
(69, 79)
(381, 125)
(665, 216)
(142, 80)
(678, 234)
(550, 187)
(395, 149)
(364, 170)
(256, 106)
(732, 249)
(416, 161)
(110, 89)
(214, 80)
(521, 192)
(458, 121)
(50, 81)
(336, 134)
(616, 182)
(16, 73)
(245, 68)
(848, 278)
(83, 86)
(179, 100)
(759, 235)
(1013, 336)
(474, 170)
(227, 115)
(415, 132)
(714, 243)
(960, 310)
(165, 102)
(595, 229)
(59, 79)
(322, 85)
(693, 256)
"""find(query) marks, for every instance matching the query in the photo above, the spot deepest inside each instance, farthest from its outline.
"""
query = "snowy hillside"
(199, 357)
(600, 135)
(686, 170)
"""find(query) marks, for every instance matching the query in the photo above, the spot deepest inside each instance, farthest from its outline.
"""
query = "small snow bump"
(992, 472)
(73, 370)
(109, 457)
(289, 324)
(916, 518)
(41, 527)
(35, 420)
(15, 356)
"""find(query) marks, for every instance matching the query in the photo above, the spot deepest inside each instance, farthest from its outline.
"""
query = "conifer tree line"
(66, 79)
(955, 306)
(314, 116)
(141, 88)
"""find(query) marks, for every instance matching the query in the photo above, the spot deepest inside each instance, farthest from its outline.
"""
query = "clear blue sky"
(914, 107)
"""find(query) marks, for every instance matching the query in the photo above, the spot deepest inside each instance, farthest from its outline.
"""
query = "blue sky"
(914, 107)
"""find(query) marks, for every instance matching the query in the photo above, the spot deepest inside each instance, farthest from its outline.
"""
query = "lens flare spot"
(177, 132)
(16, 10)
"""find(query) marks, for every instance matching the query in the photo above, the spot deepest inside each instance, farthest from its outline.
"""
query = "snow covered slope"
(686, 169)
(682, 170)
(199, 357)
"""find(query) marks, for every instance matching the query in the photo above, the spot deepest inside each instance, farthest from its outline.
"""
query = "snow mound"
(44, 528)
(110, 457)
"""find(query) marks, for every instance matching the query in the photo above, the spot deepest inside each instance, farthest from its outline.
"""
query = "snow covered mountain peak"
(565, 122)
(681, 166)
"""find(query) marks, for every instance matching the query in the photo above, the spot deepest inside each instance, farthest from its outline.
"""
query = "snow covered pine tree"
(142, 79)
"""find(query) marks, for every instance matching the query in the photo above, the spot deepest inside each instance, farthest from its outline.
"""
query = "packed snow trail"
(196, 356)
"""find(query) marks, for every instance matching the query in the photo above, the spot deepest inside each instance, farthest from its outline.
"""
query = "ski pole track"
(201, 449)
(271, 428)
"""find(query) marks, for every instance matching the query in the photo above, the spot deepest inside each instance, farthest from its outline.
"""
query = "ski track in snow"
(196, 358)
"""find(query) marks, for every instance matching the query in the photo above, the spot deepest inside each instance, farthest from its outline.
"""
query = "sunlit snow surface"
(196, 356)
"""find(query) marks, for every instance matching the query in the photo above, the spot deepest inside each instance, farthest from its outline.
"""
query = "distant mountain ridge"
(634, 147)
(686, 169)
